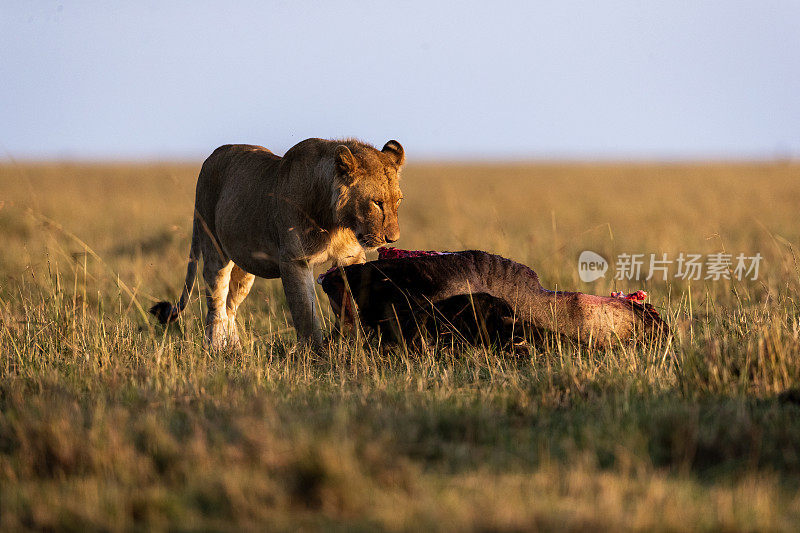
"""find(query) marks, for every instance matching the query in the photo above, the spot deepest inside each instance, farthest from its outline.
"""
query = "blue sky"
(473, 80)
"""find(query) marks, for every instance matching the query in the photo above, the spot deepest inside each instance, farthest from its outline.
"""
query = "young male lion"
(258, 214)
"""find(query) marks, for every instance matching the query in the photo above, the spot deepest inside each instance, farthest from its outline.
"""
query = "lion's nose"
(392, 231)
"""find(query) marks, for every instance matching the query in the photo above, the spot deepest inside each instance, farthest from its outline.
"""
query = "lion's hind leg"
(240, 284)
(217, 274)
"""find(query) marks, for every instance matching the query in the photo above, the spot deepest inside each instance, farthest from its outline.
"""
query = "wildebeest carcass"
(476, 296)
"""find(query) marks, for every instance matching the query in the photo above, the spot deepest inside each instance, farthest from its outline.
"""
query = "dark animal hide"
(475, 296)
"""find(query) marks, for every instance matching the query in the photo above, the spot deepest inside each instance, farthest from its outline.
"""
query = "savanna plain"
(109, 421)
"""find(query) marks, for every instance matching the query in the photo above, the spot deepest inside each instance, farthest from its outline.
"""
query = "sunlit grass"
(110, 421)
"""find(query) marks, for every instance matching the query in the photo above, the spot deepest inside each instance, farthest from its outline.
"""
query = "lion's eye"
(398, 201)
(378, 204)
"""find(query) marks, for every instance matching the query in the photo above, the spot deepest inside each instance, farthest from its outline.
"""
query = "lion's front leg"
(298, 285)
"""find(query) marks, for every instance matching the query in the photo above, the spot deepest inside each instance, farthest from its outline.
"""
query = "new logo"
(591, 266)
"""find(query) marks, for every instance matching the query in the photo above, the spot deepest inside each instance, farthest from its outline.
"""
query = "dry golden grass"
(108, 421)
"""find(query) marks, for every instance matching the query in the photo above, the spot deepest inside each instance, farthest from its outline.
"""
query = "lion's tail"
(165, 311)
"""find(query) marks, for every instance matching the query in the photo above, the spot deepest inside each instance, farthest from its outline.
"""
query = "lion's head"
(369, 191)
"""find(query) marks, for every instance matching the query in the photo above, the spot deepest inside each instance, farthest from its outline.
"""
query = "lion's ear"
(346, 163)
(395, 151)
